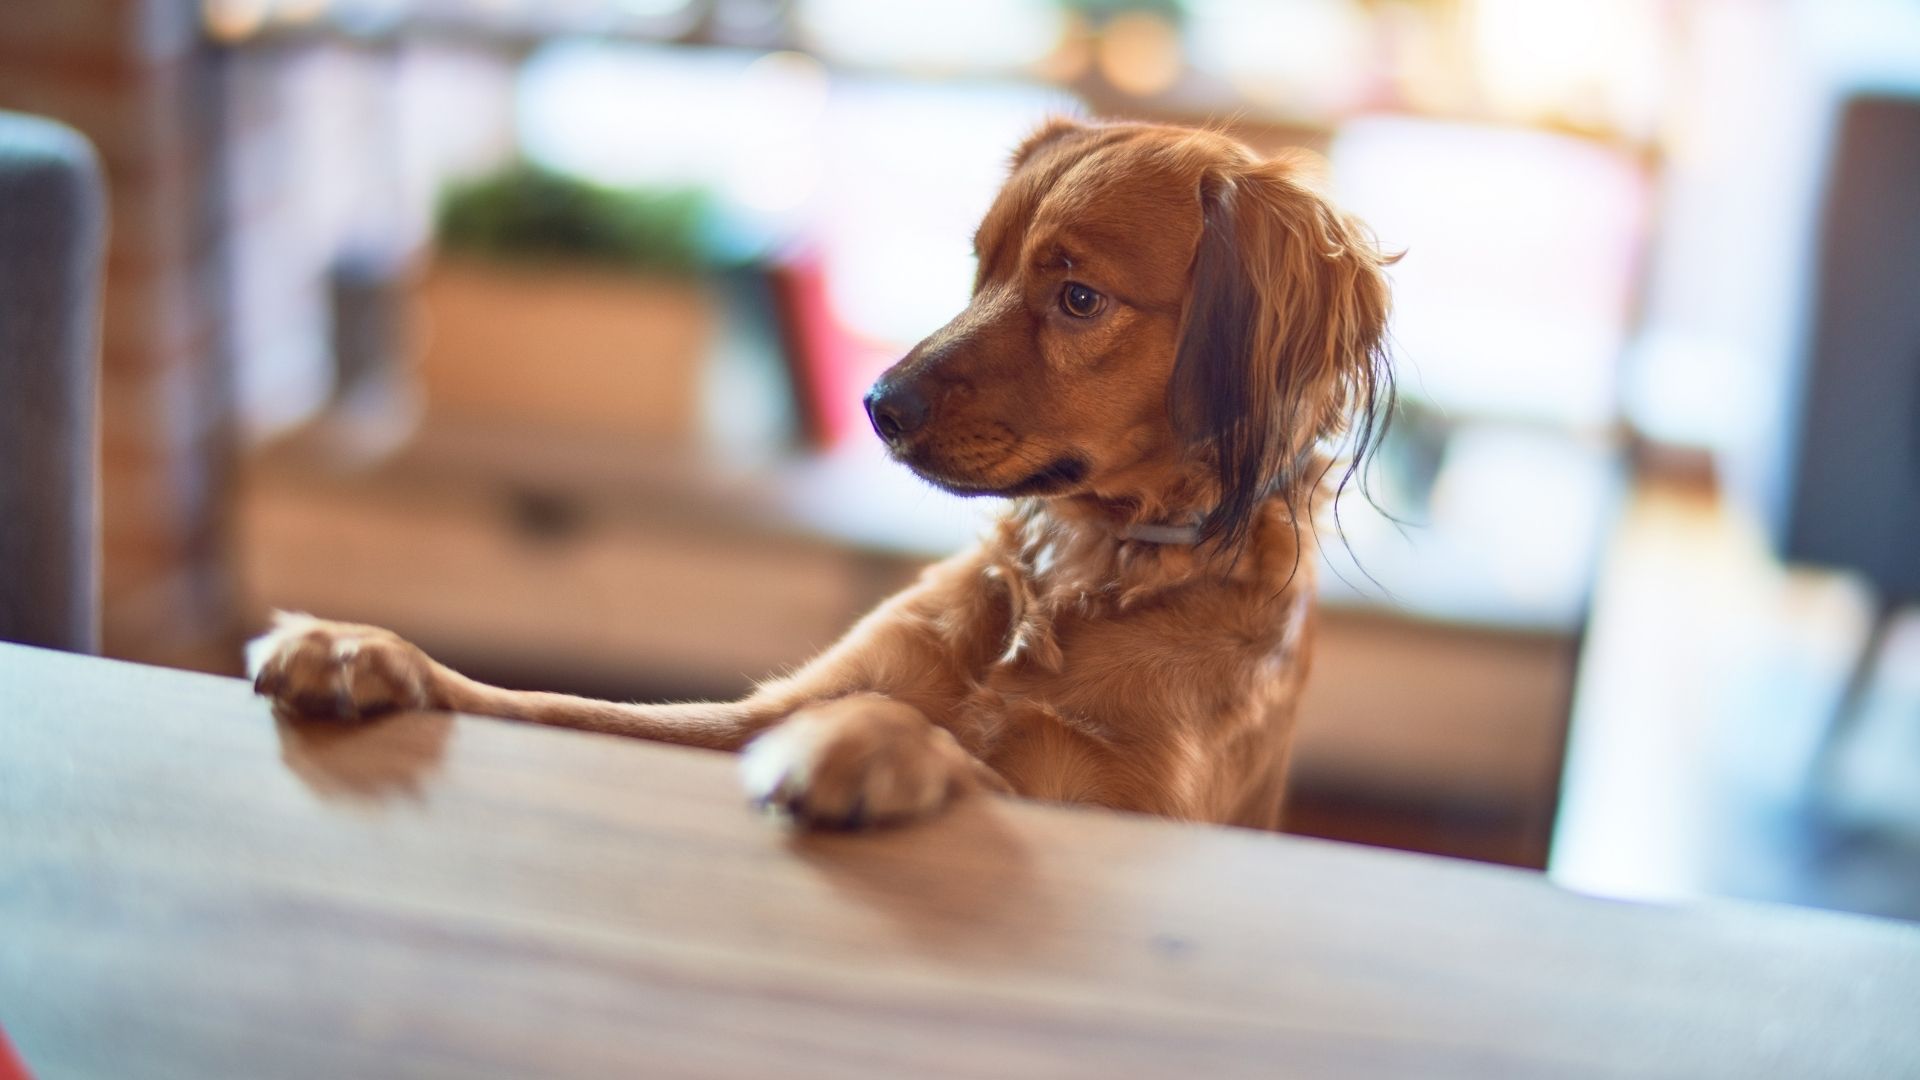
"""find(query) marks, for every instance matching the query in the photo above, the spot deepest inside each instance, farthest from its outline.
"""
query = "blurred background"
(536, 330)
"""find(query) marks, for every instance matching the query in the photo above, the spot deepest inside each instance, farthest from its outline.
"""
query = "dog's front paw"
(315, 668)
(858, 761)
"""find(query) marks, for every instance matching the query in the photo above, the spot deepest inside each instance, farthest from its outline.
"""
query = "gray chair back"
(52, 241)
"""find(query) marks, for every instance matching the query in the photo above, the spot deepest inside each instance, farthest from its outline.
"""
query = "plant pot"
(573, 347)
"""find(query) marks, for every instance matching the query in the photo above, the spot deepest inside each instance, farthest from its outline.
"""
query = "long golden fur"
(1166, 332)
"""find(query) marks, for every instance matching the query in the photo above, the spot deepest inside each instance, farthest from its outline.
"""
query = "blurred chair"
(52, 237)
(1847, 492)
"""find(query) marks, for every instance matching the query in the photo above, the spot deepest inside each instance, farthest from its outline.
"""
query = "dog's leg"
(830, 758)
(316, 668)
(313, 667)
(864, 759)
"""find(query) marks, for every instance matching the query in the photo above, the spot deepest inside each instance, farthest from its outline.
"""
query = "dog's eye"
(1081, 302)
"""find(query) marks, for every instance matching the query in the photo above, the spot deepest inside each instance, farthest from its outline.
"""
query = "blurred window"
(955, 35)
(1522, 248)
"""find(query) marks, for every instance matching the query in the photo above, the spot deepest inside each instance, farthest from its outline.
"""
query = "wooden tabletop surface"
(190, 889)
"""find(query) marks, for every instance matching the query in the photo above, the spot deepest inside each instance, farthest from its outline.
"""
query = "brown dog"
(1165, 334)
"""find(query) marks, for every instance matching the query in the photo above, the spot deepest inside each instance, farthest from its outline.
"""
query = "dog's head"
(1161, 320)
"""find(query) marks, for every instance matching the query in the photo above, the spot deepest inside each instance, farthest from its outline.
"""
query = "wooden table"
(190, 889)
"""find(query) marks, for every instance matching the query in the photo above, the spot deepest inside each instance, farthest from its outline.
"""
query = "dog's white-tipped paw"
(854, 762)
(315, 668)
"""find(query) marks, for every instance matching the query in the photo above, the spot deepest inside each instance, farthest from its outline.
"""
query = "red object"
(11, 1067)
(831, 365)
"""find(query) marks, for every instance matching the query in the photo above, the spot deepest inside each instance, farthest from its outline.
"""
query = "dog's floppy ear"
(1282, 341)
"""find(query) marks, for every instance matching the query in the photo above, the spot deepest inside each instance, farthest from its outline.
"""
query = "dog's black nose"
(896, 410)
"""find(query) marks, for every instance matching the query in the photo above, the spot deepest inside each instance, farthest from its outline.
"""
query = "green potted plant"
(555, 302)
